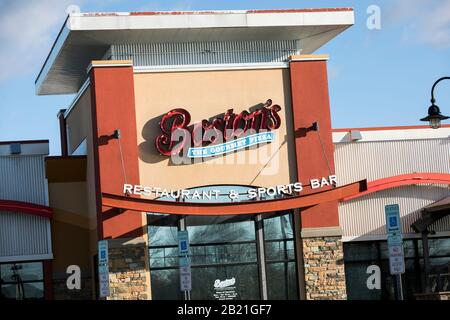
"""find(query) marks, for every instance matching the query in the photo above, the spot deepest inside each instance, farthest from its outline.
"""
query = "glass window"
(411, 279)
(24, 271)
(281, 269)
(163, 242)
(279, 227)
(163, 257)
(212, 231)
(358, 256)
(282, 281)
(408, 249)
(224, 259)
(356, 277)
(223, 253)
(437, 247)
(440, 247)
(280, 250)
(163, 235)
(22, 280)
(221, 249)
(226, 282)
(361, 251)
(165, 284)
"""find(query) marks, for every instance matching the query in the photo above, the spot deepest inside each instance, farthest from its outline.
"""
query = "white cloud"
(27, 31)
(425, 21)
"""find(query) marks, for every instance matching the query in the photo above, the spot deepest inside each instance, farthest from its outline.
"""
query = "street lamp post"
(434, 113)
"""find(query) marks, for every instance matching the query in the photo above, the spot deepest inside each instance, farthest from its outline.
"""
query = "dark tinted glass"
(361, 251)
(279, 227)
(31, 271)
(226, 283)
(222, 232)
(28, 290)
(165, 284)
(282, 281)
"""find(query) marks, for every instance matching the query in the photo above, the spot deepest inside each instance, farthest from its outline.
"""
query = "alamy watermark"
(373, 282)
(373, 21)
(73, 281)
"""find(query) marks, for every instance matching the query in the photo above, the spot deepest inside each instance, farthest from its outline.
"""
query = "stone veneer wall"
(324, 268)
(433, 296)
(128, 270)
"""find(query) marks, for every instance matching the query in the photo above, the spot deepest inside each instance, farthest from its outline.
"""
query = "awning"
(432, 213)
(254, 207)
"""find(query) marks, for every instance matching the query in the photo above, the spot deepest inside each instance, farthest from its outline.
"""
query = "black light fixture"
(434, 113)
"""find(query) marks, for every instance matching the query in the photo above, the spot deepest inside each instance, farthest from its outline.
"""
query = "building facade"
(218, 124)
(25, 222)
(408, 166)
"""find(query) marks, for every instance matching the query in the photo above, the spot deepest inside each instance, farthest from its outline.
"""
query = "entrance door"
(224, 258)
(230, 256)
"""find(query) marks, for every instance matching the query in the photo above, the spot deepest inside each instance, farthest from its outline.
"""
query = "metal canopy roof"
(87, 36)
(443, 204)
(432, 213)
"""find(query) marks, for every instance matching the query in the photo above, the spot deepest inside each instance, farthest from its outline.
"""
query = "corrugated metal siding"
(379, 159)
(198, 53)
(365, 216)
(23, 234)
(23, 179)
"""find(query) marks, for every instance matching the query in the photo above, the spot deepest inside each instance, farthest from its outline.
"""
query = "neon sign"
(218, 136)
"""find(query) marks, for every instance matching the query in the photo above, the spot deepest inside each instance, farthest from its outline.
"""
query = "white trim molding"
(37, 257)
(211, 67)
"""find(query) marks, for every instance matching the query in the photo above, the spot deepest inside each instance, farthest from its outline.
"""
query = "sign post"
(103, 268)
(185, 265)
(395, 246)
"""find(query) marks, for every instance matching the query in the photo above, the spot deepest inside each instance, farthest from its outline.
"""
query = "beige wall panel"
(79, 122)
(70, 246)
(68, 196)
(206, 95)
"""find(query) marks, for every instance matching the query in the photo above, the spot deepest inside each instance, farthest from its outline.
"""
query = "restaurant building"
(25, 221)
(218, 123)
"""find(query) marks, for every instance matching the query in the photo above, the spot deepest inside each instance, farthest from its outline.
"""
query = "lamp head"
(434, 116)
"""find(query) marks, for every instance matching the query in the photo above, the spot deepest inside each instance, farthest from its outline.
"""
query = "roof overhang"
(87, 36)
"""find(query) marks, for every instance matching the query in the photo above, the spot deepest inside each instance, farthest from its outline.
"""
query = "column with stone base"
(320, 242)
(323, 261)
(129, 277)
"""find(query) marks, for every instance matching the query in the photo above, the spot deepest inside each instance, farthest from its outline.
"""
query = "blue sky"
(376, 77)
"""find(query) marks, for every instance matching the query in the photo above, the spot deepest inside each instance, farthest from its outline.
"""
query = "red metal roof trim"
(403, 180)
(388, 128)
(300, 10)
(150, 13)
(155, 13)
(27, 208)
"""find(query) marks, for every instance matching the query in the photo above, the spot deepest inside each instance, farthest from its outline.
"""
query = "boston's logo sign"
(219, 136)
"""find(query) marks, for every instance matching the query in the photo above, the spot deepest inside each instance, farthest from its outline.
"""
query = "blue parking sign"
(393, 224)
(183, 245)
(183, 242)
